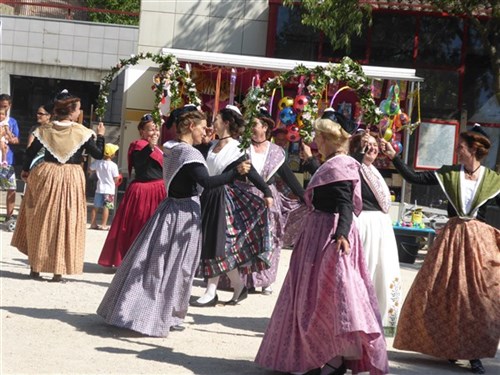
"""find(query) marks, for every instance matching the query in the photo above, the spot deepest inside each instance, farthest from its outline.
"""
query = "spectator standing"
(107, 178)
(12, 138)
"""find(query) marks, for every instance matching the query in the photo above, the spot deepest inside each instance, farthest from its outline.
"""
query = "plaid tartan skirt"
(236, 232)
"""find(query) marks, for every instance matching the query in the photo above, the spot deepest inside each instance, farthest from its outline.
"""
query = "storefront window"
(392, 40)
(439, 94)
(440, 41)
(356, 52)
(294, 40)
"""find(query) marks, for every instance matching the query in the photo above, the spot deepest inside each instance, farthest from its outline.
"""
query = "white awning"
(281, 65)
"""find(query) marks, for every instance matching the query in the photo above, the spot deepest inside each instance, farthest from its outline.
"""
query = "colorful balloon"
(388, 134)
(398, 147)
(285, 102)
(404, 118)
(300, 122)
(384, 124)
(288, 116)
(300, 102)
(293, 133)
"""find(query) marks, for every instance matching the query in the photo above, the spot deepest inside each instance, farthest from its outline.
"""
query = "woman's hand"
(100, 130)
(24, 175)
(305, 151)
(343, 245)
(364, 142)
(387, 149)
(153, 140)
(269, 202)
(244, 167)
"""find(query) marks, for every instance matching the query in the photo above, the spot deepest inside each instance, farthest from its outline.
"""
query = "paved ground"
(50, 328)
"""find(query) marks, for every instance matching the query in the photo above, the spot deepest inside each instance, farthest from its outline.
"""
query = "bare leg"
(93, 214)
(105, 215)
(10, 202)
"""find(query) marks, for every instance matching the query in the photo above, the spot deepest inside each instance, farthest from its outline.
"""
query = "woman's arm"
(198, 172)
(289, 178)
(420, 178)
(343, 193)
(95, 147)
(259, 182)
(31, 153)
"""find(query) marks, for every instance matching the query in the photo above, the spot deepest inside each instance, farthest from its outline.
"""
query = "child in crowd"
(107, 178)
(6, 171)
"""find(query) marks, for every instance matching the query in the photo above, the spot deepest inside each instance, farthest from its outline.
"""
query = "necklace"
(471, 173)
(258, 142)
(226, 137)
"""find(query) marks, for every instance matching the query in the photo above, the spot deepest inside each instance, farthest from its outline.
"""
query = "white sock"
(211, 290)
(236, 282)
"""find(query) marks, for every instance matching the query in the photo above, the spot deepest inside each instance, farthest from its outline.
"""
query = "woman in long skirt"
(377, 235)
(150, 291)
(142, 196)
(453, 307)
(51, 223)
(326, 315)
(236, 230)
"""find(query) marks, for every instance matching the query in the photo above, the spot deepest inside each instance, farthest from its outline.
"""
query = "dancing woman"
(326, 315)
(452, 308)
(269, 161)
(52, 220)
(236, 231)
(375, 228)
(151, 289)
(142, 196)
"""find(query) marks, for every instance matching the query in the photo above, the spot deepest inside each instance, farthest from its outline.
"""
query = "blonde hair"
(333, 133)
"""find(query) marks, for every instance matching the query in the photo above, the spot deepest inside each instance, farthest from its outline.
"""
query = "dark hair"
(6, 97)
(174, 115)
(187, 118)
(148, 117)
(235, 120)
(64, 104)
(265, 118)
(355, 141)
(48, 107)
(478, 141)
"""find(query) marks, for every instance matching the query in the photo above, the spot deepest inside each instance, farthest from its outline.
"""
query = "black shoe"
(476, 366)
(241, 297)
(35, 275)
(177, 328)
(341, 370)
(210, 303)
(57, 279)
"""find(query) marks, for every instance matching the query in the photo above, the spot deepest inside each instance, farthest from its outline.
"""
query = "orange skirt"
(453, 307)
(51, 224)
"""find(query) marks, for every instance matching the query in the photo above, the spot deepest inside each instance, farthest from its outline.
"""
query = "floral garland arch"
(166, 83)
(317, 79)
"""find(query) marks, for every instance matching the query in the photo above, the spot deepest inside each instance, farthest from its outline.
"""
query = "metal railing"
(69, 9)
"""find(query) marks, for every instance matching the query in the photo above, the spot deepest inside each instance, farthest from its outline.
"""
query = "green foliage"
(123, 5)
(339, 20)
(167, 82)
(316, 79)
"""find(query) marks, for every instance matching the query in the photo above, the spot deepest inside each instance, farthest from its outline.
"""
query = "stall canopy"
(281, 65)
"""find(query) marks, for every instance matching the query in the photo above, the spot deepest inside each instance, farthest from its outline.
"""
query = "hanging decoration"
(167, 83)
(312, 83)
